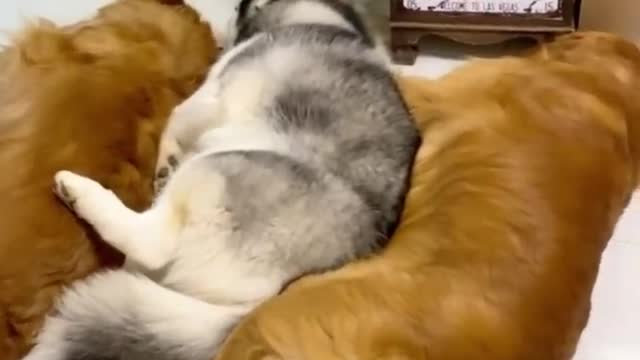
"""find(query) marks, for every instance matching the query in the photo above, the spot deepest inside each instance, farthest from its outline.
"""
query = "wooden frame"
(408, 27)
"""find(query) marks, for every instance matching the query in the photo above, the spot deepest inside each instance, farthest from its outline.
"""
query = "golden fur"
(525, 168)
(92, 98)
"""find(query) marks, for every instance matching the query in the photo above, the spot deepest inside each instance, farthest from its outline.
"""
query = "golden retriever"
(92, 97)
(525, 167)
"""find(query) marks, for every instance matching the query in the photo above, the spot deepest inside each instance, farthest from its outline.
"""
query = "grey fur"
(326, 187)
(318, 195)
(369, 145)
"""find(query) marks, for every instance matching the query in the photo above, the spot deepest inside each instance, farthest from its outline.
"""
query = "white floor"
(614, 329)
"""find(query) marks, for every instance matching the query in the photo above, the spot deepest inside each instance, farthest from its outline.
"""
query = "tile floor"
(614, 329)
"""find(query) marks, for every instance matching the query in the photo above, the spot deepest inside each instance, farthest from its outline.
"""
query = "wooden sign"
(477, 22)
(523, 7)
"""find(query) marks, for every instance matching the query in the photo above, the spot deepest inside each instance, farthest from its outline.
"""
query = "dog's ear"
(250, 7)
(243, 9)
(260, 3)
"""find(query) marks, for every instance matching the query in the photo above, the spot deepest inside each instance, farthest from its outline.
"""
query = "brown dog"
(92, 98)
(526, 165)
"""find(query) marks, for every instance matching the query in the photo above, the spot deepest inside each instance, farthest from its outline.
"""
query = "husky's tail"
(117, 315)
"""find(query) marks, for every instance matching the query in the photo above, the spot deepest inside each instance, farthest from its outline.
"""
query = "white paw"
(68, 187)
(74, 190)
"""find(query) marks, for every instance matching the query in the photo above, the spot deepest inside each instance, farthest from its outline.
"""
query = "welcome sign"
(524, 7)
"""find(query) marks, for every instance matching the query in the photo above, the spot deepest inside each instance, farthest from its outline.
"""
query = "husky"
(293, 158)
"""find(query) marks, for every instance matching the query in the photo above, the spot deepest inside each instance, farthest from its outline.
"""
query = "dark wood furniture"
(476, 22)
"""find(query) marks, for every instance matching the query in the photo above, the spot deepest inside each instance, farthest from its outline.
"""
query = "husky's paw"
(65, 187)
(60, 189)
(168, 161)
(75, 191)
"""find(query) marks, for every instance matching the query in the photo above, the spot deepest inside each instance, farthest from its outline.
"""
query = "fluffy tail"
(118, 315)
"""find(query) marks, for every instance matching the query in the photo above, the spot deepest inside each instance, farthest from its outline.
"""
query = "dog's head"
(612, 62)
(603, 53)
(166, 26)
(254, 16)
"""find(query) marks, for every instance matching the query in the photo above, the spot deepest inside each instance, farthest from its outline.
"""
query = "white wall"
(14, 13)
(619, 16)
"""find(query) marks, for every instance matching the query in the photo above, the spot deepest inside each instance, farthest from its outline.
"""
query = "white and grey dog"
(292, 158)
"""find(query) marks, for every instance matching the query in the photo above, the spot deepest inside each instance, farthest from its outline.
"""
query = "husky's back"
(323, 83)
